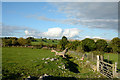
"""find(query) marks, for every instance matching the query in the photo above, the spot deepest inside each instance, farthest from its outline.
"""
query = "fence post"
(115, 68)
(98, 62)
(101, 57)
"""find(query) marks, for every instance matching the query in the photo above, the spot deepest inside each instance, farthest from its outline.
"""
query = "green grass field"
(45, 42)
(112, 57)
(18, 63)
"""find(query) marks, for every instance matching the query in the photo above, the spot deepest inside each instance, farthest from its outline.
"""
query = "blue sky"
(53, 20)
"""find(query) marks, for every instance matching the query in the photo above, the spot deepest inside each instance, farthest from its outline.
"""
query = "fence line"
(105, 68)
(89, 56)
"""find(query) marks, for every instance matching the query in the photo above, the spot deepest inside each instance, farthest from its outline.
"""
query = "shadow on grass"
(12, 77)
(71, 65)
(118, 70)
(68, 57)
(110, 61)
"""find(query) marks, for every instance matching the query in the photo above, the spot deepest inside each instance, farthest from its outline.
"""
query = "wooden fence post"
(115, 68)
(101, 57)
(98, 62)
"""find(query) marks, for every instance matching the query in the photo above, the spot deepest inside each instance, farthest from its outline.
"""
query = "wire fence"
(89, 56)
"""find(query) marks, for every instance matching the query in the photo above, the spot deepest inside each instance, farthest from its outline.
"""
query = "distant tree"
(54, 45)
(28, 42)
(31, 39)
(108, 49)
(101, 45)
(13, 38)
(7, 38)
(44, 39)
(88, 44)
(73, 45)
(23, 41)
(53, 41)
(14, 42)
(7, 42)
(115, 44)
(63, 42)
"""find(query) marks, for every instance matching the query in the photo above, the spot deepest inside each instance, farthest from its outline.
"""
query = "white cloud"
(32, 33)
(26, 32)
(87, 37)
(29, 32)
(58, 33)
(97, 37)
(55, 33)
(74, 32)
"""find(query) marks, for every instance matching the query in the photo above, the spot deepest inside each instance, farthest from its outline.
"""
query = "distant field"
(21, 62)
(45, 42)
(112, 57)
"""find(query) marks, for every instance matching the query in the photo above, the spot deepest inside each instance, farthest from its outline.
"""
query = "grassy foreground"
(18, 63)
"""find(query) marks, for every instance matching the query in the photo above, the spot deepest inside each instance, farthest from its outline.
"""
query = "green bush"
(101, 45)
(115, 44)
(88, 45)
(63, 42)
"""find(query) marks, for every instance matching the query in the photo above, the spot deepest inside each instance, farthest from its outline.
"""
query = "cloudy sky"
(75, 20)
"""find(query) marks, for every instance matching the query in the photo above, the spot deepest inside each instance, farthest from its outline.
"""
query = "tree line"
(13, 41)
(87, 45)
